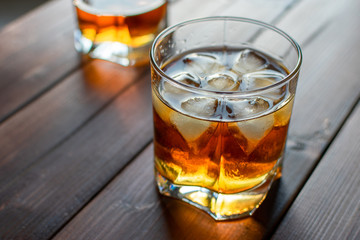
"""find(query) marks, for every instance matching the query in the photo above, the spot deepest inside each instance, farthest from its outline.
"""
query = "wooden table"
(76, 134)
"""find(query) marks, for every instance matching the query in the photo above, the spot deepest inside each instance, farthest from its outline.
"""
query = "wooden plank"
(36, 52)
(46, 147)
(327, 91)
(318, 85)
(15, 9)
(47, 194)
(328, 207)
(59, 113)
(257, 9)
(20, 33)
(36, 211)
(267, 11)
(32, 63)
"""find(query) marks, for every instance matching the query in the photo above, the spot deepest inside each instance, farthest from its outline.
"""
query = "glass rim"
(172, 28)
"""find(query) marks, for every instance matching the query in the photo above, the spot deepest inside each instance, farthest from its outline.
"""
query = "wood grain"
(311, 118)
(328, 207)
(325, 96)
(47, 138)
(47, 194)
(267, 11)
(37, 51)
(75, 135)
(59, 113)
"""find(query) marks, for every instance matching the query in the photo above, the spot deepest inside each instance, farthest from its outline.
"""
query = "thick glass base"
(217, 205)
(112, 51)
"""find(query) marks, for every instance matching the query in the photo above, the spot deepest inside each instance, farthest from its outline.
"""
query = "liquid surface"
(134, 30)
(119, 7)
(225, 144)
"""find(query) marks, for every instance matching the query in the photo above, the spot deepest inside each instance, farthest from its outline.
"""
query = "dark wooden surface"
(76, 134)
(11, 10)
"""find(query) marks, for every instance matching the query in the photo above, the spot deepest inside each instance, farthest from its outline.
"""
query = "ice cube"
(200, 106)
(246, 108)
(202, 64)
(190, 128)
(261, 79)
(183, 77)
(223, 81)
(187, 78)
(255, 130)
(249, 61)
